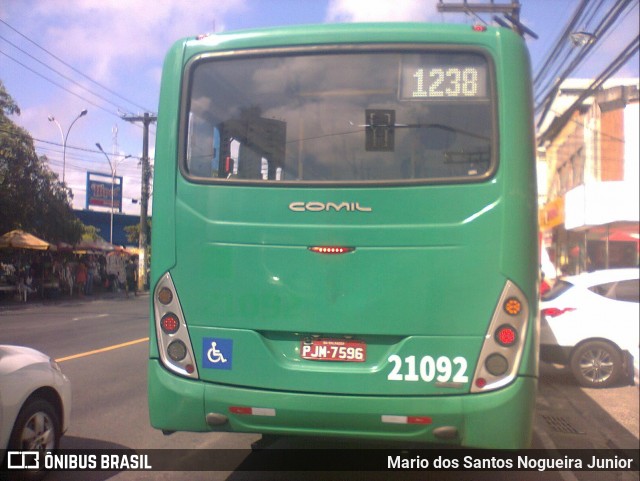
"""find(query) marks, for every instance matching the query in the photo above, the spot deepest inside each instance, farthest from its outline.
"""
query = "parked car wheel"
(35, 405)
(596, 364)
(37, 428)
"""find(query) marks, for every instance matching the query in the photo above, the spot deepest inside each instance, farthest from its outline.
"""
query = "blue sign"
(217, 353)
(101, 193)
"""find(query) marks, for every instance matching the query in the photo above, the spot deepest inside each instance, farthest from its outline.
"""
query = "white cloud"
(115, 35)
(382, 10)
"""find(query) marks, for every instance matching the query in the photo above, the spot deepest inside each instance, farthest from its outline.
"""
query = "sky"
(59, 57)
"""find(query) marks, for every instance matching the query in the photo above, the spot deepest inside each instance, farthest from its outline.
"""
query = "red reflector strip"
(252, 411)
(239, 410)
(331, 249)
(390, 419)
(418, 420)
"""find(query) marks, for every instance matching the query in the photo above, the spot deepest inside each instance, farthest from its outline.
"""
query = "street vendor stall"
(16, 278)
(19, 239)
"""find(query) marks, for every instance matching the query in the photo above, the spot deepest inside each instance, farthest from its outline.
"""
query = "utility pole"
(512, 8)
(143, 241)
(510, 12)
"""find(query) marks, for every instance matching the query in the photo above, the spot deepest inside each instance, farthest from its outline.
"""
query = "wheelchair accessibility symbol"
(217, 353)
(214, 355)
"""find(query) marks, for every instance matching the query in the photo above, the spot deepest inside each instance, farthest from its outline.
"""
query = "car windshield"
(347, 117)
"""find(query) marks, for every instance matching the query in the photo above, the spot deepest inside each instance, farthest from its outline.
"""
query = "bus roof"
(349, 33)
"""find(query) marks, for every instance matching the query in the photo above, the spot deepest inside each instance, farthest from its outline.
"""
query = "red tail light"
(170, 323)
(506, 335)
(555, 312)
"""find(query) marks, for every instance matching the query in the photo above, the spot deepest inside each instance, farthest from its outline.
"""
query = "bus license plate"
(333, 350)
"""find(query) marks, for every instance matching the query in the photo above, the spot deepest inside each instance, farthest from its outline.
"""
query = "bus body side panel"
(519, 254)
(163, 238)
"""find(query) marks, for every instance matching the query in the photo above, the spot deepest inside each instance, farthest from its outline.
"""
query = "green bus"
(345, 235)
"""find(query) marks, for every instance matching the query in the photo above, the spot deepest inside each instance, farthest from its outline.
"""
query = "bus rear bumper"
(501, 419)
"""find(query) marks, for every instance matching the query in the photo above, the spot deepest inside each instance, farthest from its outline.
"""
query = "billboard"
(104, 191)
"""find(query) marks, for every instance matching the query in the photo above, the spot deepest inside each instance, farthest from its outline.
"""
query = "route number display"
(435, 78)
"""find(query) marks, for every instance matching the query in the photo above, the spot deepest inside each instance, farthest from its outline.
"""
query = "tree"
(31, 196)
(133, 231)
(91, 233)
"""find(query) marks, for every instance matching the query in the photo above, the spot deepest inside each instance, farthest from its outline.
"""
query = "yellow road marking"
(104, 349)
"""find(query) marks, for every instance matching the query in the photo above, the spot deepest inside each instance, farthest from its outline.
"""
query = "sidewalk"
(10, 303)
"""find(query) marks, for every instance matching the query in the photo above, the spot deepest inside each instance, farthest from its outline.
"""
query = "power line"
(60, 74)
(72, 67)
(548, 92)
(603, 36)
(92, 151)
(560, 43)
(58, 144)
(629, 51)
(57, 84)
(547, 81)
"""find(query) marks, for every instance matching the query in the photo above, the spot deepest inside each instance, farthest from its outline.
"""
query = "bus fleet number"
(441, 369)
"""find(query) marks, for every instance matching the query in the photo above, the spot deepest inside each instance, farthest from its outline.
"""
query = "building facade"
(589, 162)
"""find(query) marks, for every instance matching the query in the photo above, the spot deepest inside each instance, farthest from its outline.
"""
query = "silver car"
(35, 403)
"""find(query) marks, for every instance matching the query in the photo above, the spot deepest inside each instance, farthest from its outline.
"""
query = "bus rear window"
(393, 117)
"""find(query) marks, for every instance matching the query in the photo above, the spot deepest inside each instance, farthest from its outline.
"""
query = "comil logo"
(23, 460)
(328, 206)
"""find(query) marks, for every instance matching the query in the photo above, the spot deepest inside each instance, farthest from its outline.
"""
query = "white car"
(35, 403)
(590, 323)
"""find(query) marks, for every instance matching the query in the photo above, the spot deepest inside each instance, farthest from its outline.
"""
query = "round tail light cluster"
(174, 343)
(504, 343)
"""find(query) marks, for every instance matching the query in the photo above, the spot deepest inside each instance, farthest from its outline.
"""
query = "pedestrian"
(132, 274)
(81, 277)
(25, 286)
(68, 276)
(91, 273)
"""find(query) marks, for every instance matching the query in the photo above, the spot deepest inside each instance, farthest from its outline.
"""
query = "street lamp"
(580, 39)
(113, 181)
(64, 139)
